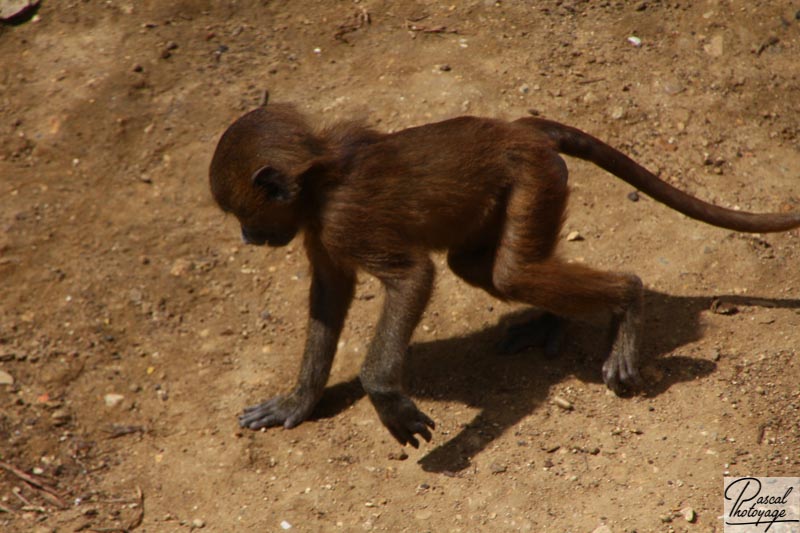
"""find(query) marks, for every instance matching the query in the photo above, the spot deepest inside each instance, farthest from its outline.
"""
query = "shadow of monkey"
(507, 388)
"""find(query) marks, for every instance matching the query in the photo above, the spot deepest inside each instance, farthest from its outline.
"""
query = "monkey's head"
(258, 170)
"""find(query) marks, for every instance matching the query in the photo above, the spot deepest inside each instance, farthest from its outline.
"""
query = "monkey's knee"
(513, 284)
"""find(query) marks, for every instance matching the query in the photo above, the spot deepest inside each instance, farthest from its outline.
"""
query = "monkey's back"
(436, 185)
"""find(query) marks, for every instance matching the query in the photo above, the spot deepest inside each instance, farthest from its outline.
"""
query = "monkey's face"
(273, 225)
(264, 203)
(257, 173)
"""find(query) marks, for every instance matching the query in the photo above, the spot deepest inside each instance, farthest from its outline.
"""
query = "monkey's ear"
(276, 185)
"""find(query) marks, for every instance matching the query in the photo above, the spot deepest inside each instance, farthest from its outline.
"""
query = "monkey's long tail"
(576, 143)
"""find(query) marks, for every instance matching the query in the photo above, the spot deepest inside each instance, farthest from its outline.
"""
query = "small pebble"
(689, 514)
(286, 525)
(497, 468)
(574, 236)
(181, 267)
(113, 400)
(562, 403)
(6, 378)
(720, 307)
(197, 523)
(635, 41)
(60, 417)
(633, 196)
(445, 68)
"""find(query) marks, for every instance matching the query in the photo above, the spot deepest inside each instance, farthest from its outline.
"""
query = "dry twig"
(136, 522)
(16, 491)
(48, 492)
(118, 430)
(7, 510)
(412, 26)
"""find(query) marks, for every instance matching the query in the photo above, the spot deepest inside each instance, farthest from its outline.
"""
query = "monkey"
(490, 193)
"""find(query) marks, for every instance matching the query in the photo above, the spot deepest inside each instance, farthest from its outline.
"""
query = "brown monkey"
(491, 193)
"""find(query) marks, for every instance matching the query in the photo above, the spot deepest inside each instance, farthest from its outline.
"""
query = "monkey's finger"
(423, 431)
(265, 422)
(427, 420)
(260, 419)
(611, 375)
(294, 421)
(402, 436)
(263, 405)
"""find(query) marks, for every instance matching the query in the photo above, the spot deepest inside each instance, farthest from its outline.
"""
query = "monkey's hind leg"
(526, 270)
(580, 292)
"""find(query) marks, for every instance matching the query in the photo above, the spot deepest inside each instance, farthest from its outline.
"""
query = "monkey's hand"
(402, 418)
(286, 410)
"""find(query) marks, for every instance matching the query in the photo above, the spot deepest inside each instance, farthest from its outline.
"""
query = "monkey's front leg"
(382, 372)
(331, 294)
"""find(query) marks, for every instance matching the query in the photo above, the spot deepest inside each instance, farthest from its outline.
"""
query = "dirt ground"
(135, 325)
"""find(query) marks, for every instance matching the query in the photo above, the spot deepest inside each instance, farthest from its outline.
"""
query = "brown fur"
(491, 193)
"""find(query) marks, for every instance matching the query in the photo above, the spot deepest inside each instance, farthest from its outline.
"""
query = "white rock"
(574, 236)
(113, 400)
(6, 378)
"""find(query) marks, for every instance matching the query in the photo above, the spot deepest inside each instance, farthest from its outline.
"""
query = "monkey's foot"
(621, 369)
(621, 372)
(402, 418)
(287, 411)
(545, 331)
